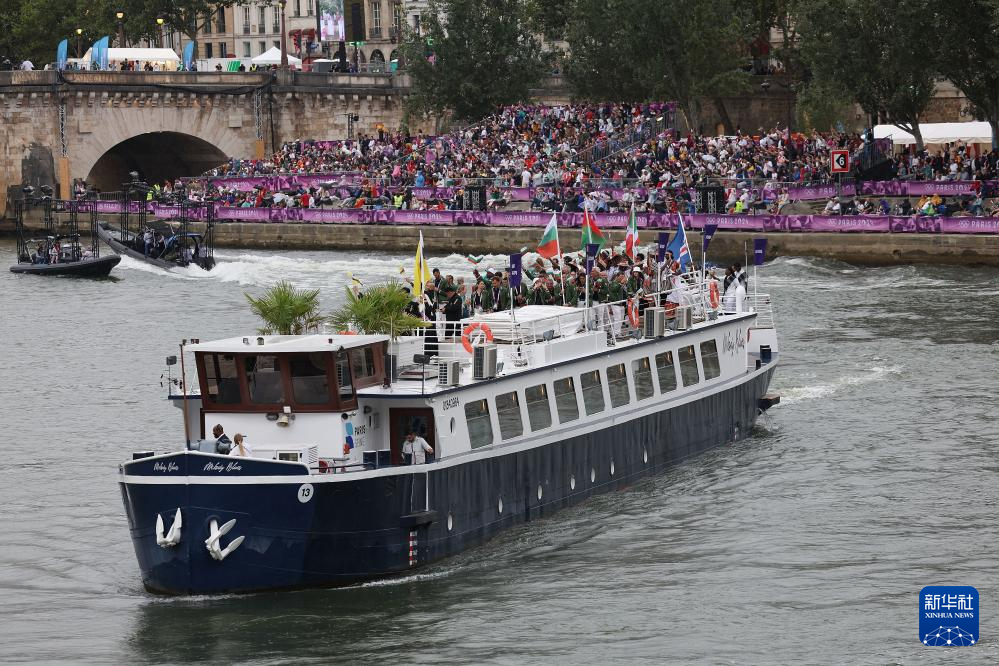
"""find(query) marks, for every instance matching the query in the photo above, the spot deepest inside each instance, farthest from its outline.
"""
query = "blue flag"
(188, 55)
(759, 251)
(707, 234)
(61, 52)
(661, 246)
(591, 255)
(678, 246)
(515, 270)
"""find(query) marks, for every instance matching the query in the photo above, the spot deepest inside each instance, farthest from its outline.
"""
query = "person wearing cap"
(635, 281)
(452, 311)
(540, 295)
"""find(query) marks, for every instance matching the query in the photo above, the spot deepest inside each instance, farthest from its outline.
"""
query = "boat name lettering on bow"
(219, 467)
(736, 341)
(451, 402)
(168, 467)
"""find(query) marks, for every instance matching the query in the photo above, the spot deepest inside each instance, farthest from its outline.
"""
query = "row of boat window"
(536, 398)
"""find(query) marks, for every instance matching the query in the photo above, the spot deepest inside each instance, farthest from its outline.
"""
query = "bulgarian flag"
(549, 247)
(631, 238)
(591, 234)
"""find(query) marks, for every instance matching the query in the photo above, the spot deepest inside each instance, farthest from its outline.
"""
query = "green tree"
(878, 51)
(971, 63)
(636, 50)
(285, 310)
(380, 309)
(475, 56)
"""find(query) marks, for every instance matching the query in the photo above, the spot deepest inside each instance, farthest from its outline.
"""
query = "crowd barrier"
(788, 223)
(890, 188)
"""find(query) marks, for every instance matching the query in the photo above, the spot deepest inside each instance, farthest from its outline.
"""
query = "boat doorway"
(420, 420)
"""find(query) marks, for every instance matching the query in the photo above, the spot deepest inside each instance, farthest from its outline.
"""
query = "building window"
(539, 410)
(263, 47)
(261, 19)
(220, 19)
(689, 374)
(221, 379)
(263, 379)
(376, 18)
(565, 400)
(298, 8)
(617, 385)
(208, 50)
(416, 24)
(480, 430)
(709, 359)
(508, 415)
(593, 392)
(276, 21)
(223, 52)
(641, 371)
(207, 20)
(277, 44)
(362, 362)
(667, 372)
(246, 49)
(246, 25)
(309, 382)
(308, 8)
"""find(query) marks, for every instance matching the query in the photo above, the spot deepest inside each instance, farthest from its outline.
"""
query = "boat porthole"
(572, 482)
(645, 455)
(501, 505)
(541, 491)
(593, 475)
(452, 425)
(450, 522)
(612, 468)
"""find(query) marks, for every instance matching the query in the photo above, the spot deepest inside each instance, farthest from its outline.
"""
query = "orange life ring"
(633, 312)
(713, 298)
(346, 332)
(466, 343)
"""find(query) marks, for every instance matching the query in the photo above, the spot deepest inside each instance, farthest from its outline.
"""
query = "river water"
(806, 543)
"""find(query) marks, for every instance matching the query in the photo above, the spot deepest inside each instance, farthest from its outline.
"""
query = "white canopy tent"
(166, 57)
(970, 132)
(272, 56)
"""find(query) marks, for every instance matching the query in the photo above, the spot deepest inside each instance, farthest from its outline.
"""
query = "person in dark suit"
(452, 311)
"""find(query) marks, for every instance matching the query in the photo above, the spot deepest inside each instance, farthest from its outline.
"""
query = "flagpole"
(561, 267)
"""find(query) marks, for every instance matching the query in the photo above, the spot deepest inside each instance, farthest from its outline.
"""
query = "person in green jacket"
(497, 297)
(615, 296)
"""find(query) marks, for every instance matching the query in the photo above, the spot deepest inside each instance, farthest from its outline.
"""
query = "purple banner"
(944, 187)
(806, 192)
(888, 188)
(969, 225)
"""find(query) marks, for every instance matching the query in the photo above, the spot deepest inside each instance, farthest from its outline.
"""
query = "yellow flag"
(421, 271)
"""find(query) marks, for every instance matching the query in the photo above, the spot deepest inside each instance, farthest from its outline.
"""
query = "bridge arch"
(156, 156)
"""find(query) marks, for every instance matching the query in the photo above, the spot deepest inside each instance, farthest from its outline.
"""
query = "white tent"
(970, 132)
(143, 55)
(272, 56)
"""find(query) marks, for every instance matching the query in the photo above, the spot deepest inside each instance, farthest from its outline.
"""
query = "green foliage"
(823, 106)
(635, 50)
(285, 310)
(484, 57)
(380, 309)
(880, 52)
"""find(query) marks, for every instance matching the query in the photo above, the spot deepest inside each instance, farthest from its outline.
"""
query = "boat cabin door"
(420, 420)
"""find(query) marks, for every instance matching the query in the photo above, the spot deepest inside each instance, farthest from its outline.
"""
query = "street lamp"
(159, 31)
(120, 15)
(79, 33)
(284, 38)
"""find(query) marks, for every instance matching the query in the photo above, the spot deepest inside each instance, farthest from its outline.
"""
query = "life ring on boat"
(346, 332)
(633, 312)
(324, 467)
(713, 298)
(466, 342)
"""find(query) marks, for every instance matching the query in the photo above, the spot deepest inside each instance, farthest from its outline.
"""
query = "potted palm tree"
(379, 309)
(286, 310)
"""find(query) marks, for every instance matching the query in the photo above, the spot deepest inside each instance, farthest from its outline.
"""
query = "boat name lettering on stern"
(168, 467)
(227, 467)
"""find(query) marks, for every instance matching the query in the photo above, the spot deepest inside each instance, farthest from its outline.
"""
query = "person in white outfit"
(415, 449)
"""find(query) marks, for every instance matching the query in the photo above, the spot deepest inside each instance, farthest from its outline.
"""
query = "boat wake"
(876, 373)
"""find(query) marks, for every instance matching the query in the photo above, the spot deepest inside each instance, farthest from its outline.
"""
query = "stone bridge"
(99, 126)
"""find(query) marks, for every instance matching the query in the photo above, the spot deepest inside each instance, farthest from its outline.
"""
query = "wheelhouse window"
(641, 371)
(480, 429)
(666, 370)
(689, 373)
(221, 379)
(593, 392)
(263, 379)
(565, 400)
(539, 410)
(709, 359)
(309, 380)
(617, 385)
(508, 415)
(345, 387)
(364, 365)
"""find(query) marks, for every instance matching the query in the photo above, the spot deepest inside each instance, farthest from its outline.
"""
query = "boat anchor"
(215, 534)
(172, 537)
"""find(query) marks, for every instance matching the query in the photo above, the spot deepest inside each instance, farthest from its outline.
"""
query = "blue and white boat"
(544, 416)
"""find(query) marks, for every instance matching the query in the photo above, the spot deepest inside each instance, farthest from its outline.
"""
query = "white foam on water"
(794, 395)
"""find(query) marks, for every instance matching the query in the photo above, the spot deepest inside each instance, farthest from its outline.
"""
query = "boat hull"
(348, 530)
(112, 240)
(99, 267)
